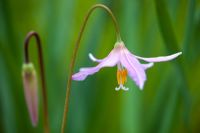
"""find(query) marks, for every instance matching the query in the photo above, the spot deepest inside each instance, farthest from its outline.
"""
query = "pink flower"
(126, 62)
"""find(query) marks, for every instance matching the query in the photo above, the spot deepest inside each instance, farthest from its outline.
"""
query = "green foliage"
(170, 100)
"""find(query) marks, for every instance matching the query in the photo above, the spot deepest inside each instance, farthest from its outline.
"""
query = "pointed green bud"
(31, 91)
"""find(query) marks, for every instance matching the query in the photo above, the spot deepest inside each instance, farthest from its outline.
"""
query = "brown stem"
(41, 64)
(66, 106)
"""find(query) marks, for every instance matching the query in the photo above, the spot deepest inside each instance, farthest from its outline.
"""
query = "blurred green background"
(170, 101)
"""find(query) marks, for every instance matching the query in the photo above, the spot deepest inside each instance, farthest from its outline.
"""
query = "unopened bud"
(31, 91)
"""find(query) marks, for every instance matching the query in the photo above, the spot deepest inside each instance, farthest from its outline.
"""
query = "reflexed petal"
(110, 61)
(135, 69)
(159, 59)
(148, 65)
(93, 58)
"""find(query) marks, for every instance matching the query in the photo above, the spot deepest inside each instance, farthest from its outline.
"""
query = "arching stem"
(41, 64)
(66, 106)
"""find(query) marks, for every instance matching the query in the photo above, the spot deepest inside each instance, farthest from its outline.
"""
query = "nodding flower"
(127, 64)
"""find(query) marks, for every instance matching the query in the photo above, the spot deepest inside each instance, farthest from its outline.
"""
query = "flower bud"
(31, 91)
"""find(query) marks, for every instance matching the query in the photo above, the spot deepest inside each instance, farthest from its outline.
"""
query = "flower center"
(121, 78)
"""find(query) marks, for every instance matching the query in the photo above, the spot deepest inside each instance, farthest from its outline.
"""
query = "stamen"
(121, 78)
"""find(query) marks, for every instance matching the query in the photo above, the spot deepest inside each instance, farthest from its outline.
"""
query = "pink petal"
(135, 69)
(110, 61)
(159, 59)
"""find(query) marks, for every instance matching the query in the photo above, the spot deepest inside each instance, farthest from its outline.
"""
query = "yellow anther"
(121, 76)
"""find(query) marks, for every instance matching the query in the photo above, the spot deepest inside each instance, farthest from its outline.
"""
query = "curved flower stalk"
(31, 85)
(127, 63)
(101, 6)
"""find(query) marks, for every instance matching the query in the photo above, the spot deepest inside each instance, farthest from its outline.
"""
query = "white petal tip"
(141, 87)
(151, 64)
(92, 57)
(179, 53)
